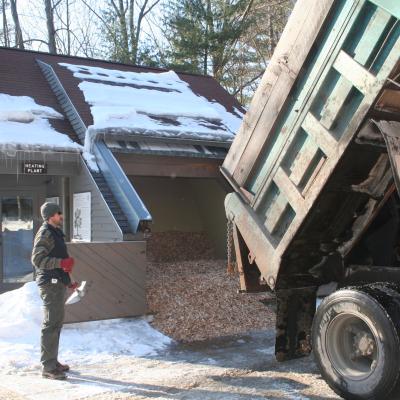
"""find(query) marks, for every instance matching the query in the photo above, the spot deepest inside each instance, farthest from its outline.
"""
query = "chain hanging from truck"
(231, 264)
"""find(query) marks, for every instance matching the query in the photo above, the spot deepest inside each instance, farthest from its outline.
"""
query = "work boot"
(54, 374)
(62, 367)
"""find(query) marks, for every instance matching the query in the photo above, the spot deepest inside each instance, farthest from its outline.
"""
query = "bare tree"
(255, 48)
(68, 28)
(63, 33)
(122, 25)
(144, 10)
(19, 41)
(51, 31)
(5, 28)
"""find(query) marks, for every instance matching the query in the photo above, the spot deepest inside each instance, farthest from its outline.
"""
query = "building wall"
(104, 226)
(185, 205)
(57, 163)
(53, 184)
(115, 274)
(210, 198)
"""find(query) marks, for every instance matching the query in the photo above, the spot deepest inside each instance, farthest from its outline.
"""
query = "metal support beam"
(294, 316)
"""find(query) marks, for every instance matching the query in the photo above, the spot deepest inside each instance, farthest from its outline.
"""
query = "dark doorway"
(16, 218)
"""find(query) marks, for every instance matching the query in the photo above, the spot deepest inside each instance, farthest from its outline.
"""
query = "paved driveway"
(234, 368)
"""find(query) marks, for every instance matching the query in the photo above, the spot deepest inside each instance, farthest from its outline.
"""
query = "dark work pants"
(52, 295)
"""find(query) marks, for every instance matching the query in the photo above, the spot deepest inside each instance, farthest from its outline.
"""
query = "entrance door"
(16, 239)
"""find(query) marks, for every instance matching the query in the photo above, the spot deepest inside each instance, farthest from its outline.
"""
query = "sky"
(33, 22)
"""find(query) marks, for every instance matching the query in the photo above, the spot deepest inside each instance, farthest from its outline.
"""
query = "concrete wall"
(185, 205)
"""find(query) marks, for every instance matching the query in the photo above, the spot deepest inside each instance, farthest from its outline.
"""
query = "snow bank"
(88, 342)
(25, 123)
(154, 103)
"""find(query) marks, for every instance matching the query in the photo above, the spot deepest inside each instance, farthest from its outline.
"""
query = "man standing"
(52, 267)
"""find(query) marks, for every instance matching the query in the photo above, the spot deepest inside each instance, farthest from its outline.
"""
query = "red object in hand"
(67, 264)
(73, 285)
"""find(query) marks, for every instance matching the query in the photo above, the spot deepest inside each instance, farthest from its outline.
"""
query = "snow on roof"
(152, 103)
(87, 342)
(24, 123)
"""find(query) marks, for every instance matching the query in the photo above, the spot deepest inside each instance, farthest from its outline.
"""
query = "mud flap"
(294, 316)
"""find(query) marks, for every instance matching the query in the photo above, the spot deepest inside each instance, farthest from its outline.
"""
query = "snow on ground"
(89, 342)
(25, 123)
(152, 103)
(127, 359)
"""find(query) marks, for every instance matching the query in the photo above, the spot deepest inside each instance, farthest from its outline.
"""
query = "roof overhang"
(165, 136)
(36, 153)
(154, 143)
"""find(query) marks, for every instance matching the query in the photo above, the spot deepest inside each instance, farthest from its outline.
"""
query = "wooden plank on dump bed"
(116, 276)
(289, 57)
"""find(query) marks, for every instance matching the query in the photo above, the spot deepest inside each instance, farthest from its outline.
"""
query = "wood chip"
(197, 300)
(179, 246)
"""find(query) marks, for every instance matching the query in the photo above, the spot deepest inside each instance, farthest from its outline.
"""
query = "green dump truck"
(314, 208)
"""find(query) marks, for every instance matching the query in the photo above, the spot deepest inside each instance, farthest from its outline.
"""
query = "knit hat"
(49, 209)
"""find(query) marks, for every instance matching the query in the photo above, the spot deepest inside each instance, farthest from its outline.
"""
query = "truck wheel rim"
(352, 346)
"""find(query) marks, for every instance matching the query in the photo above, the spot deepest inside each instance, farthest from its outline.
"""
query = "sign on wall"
(81, 217)
(53, 200)
(34, 168)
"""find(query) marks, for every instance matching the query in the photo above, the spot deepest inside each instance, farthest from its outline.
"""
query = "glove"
(67, 264)
(73, 285)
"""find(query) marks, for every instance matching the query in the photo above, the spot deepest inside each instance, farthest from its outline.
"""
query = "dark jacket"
(48, 250)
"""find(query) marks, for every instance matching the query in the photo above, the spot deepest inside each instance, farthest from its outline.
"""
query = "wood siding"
(104, 226)
(175, 167)
(116, 279)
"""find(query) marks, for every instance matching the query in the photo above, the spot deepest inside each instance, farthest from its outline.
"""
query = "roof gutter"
(107, 134)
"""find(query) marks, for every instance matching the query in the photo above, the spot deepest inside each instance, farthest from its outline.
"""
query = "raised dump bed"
(314, 200)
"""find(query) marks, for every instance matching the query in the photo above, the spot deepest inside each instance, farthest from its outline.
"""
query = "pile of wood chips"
(198, 300)
(179, 246)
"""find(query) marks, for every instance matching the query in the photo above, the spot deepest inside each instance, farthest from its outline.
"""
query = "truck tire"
(356, 341)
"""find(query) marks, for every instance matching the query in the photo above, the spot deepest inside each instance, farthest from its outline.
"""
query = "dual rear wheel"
(356, 342)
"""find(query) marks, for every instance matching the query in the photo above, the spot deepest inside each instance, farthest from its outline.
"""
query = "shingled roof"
(21, 75)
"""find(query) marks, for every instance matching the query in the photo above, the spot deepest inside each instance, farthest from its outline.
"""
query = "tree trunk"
(208, 32)
(51, 32)
(19, 41)
(132, 29)
(6, 32)
(271, 32)
(124, 31)
(68, 30)
(135, 43)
